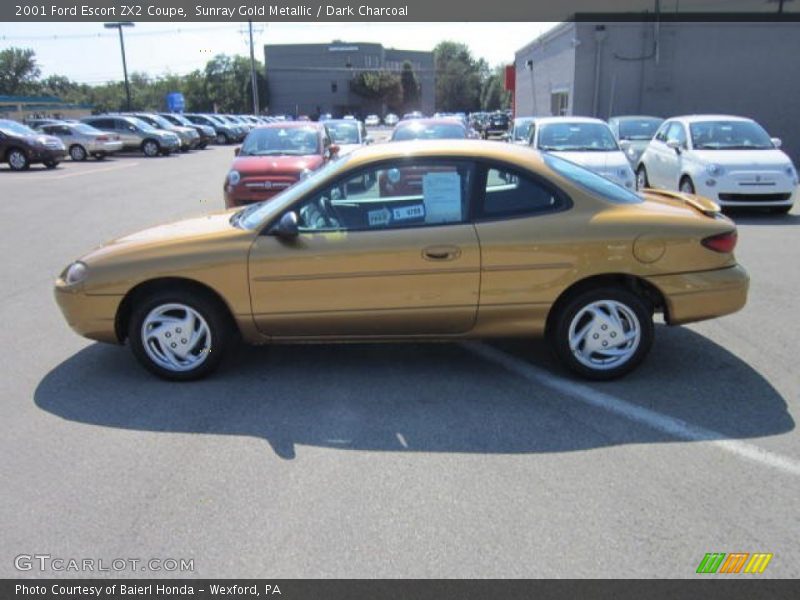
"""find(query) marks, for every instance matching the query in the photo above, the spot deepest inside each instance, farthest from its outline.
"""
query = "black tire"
(203, 145)
(686, 182)
(223, 139)
(559, 332)
(77, 152)
(50, 164)
(208, 307)
(17, 159)
(151, 148)
(100, 156)
(641, 178)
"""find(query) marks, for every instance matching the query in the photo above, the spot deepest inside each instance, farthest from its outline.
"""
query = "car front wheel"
(604, 333)
(179, 335)
(687, 187)
(150, 148)
(641, 178)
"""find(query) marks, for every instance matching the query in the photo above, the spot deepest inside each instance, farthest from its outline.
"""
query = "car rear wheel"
(77, 152)
(687, 187)
(604, 333)
(222, 138)
(179, 335)
(150, 148)
(51, 164)
(17, 160)
(641, 178)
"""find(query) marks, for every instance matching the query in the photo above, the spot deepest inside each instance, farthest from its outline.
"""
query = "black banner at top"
(380, 10)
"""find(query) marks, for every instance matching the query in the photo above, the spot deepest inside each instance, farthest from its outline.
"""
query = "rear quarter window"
(592, 182)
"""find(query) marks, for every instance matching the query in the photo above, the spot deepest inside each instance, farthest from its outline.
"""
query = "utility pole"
(118, 26)
(253, 78)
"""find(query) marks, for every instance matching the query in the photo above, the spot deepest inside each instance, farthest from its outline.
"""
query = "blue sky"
(88, 53)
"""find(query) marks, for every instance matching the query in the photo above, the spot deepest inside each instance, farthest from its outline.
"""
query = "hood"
(638, 145)
(187, 230)
(275, 165)
(46, 140)
(747, 159)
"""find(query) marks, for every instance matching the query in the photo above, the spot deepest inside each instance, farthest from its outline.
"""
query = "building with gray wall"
(311, 79)
(665, 69)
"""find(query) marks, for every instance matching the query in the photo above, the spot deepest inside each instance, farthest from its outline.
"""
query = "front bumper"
(702, 295)
(46, 154)
(92, 316)
(730, 194)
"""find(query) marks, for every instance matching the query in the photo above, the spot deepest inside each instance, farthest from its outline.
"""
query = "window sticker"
(379, 218)
(442, 196)
(416, 211)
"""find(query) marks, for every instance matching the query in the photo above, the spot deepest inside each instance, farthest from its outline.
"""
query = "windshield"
(522, 130)
(143, 125)
(605, 188)
(12, 127)
(638, 129)
(576, 137)
(422, 131)
(180, 119)
(162, 122)
(344, 133)
(255, 214)
(729, 135)
(272, 141)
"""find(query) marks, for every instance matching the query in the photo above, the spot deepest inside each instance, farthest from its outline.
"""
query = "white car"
(730, 160)
(521, 131)
(585, 141)
(372, 121)
(348, 134)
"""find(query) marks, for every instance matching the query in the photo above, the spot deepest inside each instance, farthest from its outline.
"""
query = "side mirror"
(286, 227)
(777, 142)
(675, 145)
(237, 150)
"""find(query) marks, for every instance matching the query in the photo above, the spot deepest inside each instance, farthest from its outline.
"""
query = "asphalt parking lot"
(399, 460)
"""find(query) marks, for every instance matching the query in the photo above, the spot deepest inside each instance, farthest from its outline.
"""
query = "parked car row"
(728, 159)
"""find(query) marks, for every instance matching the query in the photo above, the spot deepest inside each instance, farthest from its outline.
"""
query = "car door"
(527, 250)
(371, 262)
(128, 133)
(673, 163)
(657, 154)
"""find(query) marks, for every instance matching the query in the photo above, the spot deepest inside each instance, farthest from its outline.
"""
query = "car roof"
(453, 148)
(546, 120)
(430, 121)
(349, 121)
(632, 117)
(710, 117)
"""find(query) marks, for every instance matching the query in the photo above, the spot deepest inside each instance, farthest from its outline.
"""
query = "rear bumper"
(703, 295)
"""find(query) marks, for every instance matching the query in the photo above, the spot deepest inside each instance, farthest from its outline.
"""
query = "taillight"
(102, 138)
(723, 242)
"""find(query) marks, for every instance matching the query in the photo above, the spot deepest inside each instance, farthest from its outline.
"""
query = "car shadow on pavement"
(755, 217)
(415, 397)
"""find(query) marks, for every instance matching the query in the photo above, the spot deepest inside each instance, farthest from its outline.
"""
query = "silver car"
(136, 134)
(83, 140)
(634, 134)
(190, 139)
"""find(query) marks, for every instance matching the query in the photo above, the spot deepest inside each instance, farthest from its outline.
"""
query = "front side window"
(592, 182)
(677, 134)
(510, 194)
(393, 195)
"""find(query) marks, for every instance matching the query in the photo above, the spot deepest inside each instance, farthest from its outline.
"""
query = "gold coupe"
(417, 240)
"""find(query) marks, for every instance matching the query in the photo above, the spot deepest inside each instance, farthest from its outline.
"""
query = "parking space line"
(655, 420)
(79, 173)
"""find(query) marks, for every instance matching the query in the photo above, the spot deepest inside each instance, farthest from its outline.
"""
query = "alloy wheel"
(176, 337)
(604, 334)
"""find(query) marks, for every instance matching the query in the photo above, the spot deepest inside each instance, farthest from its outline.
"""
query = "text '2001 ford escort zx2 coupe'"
(417, 240)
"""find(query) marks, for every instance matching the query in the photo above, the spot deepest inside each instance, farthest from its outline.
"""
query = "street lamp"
(118, 26)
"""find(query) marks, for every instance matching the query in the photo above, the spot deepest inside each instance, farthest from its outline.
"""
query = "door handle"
(441, 253)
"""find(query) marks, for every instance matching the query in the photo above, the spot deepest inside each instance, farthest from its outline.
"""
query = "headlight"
(234, 177)
(790, 171)
(75, 273)
(714, 170)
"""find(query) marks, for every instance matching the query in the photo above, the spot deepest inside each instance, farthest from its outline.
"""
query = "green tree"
(410, 85)
(494, 95)
(459, 77)
(379, 87)
(18, 71)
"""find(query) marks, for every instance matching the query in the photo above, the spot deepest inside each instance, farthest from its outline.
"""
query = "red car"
(273, 158)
